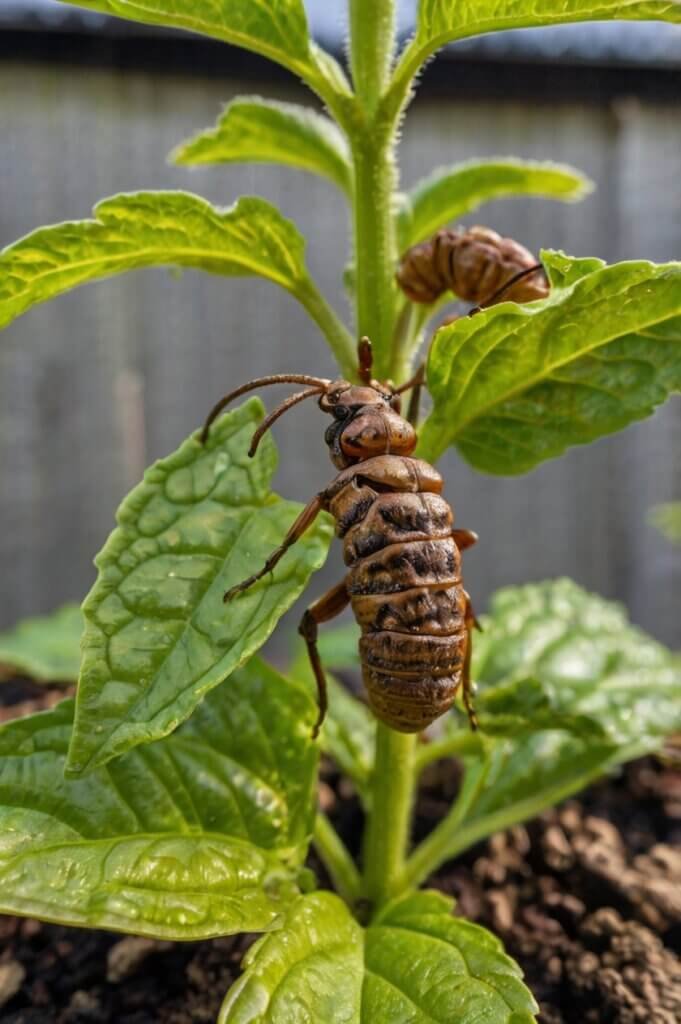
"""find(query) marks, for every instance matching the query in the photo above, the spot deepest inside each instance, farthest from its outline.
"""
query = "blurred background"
(95, 385)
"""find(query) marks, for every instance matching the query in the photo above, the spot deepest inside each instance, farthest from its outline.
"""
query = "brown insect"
(404, 556)
(477, 264)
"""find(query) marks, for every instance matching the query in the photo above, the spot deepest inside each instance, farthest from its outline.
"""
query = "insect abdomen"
(405, 587)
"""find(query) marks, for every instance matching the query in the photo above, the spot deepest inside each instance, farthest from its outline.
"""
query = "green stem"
(336, 859)
(372, 139)
(372, 31)
(335, 332)
(459, 744)
(450, 838)
(375, 243)
(392, 795)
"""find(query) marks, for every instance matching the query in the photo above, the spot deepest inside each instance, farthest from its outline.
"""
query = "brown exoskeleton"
(404, 556)
(477, 264)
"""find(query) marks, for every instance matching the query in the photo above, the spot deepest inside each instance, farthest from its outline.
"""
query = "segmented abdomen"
(405, 587)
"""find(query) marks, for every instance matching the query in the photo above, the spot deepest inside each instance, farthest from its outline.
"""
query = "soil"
(586, 897)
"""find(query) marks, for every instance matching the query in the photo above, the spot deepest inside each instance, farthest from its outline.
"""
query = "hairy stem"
(336, 859)
(372, 31)
(392, 796)
(372, 139)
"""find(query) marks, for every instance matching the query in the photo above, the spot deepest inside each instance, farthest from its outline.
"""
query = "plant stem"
(372, 139)
(336, 859)
(457, 745)
(372, 31)
(392, 795)
(450, 837)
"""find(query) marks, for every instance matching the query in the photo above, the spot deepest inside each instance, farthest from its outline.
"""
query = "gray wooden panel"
(103, 380)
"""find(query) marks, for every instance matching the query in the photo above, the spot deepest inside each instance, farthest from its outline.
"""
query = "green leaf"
(588, 663)
(415, 962)
(349, 731)
(515, 385)
(45, 648)
(201, 834)
(158, 636)
(147, 229)
(276, 29)
(444, 21)
(528, 706)
(587, 656)
(144, 229)
(255, 130)
(451, 192)
(667, 519)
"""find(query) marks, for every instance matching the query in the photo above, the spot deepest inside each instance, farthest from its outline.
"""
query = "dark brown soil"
(587, 898)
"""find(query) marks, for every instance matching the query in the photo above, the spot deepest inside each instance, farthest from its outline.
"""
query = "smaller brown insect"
(477, 264)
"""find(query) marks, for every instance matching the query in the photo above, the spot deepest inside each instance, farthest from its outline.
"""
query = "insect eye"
(340, 411)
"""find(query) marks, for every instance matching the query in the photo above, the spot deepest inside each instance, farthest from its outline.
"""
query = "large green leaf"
(46, 648)
(254, 130)
(144, 229)
(276, 29)
(451, 192)
(158, 636)
(515, 385)
(444, 21)
(415, 963)
(591, 666)
(198, 835)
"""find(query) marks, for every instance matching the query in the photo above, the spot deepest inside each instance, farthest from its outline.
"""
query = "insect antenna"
(365, 358)
(491, 299)
(287, 404)
(259, 382)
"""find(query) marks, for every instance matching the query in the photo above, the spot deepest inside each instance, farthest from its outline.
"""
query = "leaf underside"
(444, 21)
(515, 385)
(198, 835)
(158, 636)
(277, 29)
(415, 962)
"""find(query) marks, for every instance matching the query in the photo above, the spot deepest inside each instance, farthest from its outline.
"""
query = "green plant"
(205, 831)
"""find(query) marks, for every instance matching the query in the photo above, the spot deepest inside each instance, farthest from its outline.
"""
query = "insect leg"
(467, 687)
(305, 519)
(327, 607)
(464, 539)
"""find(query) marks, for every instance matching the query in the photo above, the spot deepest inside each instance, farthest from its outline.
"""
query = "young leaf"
(201, 834)
(415, 962)
(667, 519)
(46, 648)
(451, 192)
(158, 636)
(255, 130)
(591, 664)
(515, 385)
(444, 21)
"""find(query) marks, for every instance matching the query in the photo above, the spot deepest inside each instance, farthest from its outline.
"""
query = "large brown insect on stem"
(400, 545)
